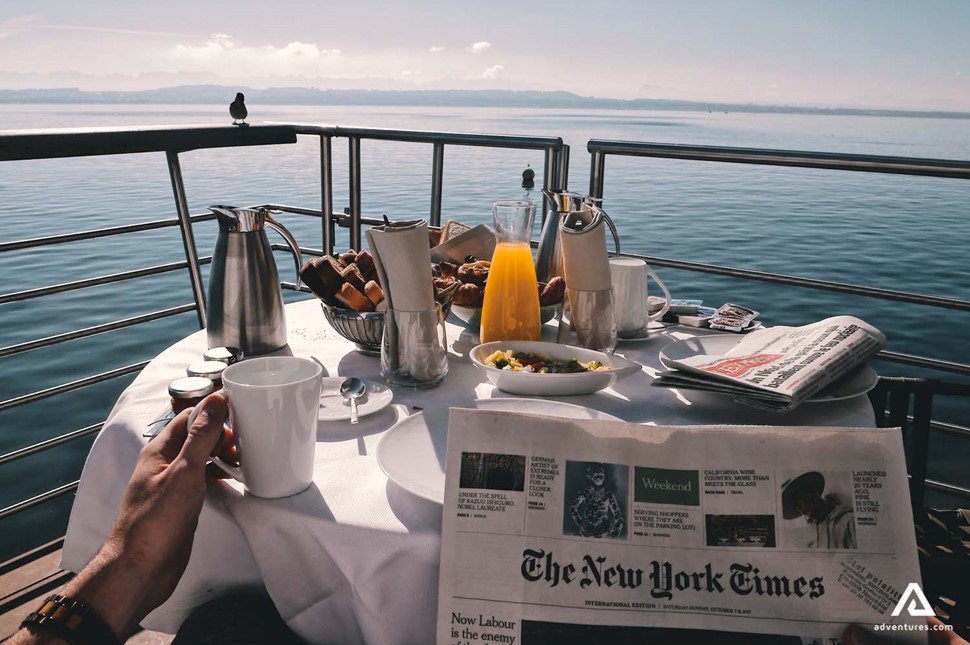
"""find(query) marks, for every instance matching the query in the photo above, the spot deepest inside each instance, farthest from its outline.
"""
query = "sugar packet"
(731, 317)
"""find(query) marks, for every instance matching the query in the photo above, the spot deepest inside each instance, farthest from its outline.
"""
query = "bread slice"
(328, 270)
(453, 229)
(347, 258)
(353, 299)
(365, 262)
(373, 292)
(354, 277)
(310, 277)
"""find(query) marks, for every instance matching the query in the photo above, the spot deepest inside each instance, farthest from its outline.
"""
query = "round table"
(354, 558)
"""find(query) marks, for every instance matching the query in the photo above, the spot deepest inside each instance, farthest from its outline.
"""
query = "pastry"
(474, 272)
(469, 295)
(553, 292)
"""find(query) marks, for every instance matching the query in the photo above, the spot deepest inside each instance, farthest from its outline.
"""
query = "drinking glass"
(590, 316)
(414, 349)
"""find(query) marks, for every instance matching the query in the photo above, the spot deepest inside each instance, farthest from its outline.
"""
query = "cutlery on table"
(352, 389)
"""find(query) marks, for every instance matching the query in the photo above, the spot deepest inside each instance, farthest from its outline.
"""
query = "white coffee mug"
(273, 405)
(629, 279)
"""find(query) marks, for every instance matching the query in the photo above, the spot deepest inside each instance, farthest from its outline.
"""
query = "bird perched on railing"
(238, 111)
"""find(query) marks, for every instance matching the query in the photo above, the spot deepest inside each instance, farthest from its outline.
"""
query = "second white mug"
(629, 278)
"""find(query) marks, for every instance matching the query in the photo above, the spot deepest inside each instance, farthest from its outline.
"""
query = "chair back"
(908, 403)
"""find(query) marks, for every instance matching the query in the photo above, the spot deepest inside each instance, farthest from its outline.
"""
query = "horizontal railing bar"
(51, 144)
(810, 283)
(822, 160)
(279, 246)
(950, 429)
(27, 294)
(50, 240)
(38, 499)
(50, 443)
(948, 489)
(10, 350)
(73, 385)
(922, 361)
(295, 210)
(423, 136)
(341, 219)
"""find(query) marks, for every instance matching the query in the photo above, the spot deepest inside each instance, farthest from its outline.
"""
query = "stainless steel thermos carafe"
(245, 303)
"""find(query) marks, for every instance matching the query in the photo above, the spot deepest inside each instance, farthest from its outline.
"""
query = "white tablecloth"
(355, 557)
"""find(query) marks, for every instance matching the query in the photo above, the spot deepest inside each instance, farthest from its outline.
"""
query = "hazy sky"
(854, 53)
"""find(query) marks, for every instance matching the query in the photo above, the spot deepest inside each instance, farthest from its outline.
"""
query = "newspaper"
(578, 531)
(778, 368)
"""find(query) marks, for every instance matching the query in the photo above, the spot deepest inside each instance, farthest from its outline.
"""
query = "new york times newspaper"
(575, 531)
(780, 367)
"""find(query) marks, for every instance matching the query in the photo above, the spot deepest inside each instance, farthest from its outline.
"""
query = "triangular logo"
(919, 605)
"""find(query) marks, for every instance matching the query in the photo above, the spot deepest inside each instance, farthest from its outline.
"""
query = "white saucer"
(334, 408)
(650, 331)
(412, 453)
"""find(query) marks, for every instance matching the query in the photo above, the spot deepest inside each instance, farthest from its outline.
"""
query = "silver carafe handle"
(291, 241)
(613, 232)
(593, 203)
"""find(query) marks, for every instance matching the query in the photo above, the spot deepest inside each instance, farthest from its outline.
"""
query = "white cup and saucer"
(629, 278)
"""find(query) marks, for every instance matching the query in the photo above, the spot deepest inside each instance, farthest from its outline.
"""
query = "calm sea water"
(880, 230)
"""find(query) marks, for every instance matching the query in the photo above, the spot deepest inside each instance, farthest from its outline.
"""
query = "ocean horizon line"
(216, 94)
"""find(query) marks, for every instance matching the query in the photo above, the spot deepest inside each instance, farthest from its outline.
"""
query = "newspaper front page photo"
(577, 531)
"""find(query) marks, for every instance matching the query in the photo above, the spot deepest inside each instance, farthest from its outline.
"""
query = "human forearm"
(148, 549)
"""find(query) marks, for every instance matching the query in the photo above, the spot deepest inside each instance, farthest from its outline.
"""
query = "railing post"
(188, 239)
(562, 179)
(354, 156)
(326, 191)
(550, 170)
(596, 170)
(437, 180)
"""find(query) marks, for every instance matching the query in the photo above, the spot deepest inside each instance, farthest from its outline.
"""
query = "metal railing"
(32, 145)
(173, 141)
(600, 149)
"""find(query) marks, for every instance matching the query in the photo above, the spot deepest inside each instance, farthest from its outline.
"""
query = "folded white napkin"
(586, 265)
(586, 268)
(403, 260)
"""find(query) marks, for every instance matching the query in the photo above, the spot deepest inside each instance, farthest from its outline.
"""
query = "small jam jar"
(211, 370)
(227, 355)
(187, 392)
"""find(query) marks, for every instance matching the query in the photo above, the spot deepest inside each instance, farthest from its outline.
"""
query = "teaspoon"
(352, 389)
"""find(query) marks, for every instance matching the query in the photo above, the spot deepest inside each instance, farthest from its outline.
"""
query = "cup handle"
(233, 471)
(658, 315)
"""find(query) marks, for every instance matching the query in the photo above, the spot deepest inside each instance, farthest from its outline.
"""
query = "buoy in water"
(529, 178)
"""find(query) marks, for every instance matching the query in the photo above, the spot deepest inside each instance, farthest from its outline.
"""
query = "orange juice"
(511, 307)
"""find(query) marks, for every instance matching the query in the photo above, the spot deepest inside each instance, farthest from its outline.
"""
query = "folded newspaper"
(567, 531)
(778, 368)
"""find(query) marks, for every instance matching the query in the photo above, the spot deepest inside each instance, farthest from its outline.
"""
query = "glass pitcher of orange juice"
(511, 307)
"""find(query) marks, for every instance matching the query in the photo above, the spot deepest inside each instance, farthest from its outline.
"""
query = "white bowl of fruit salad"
(548, 369)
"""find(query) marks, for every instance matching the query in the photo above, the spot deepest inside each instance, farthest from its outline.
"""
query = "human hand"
(855, 635)
(148, 549)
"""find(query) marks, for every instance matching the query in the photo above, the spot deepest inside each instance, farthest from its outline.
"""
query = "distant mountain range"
(215, 94)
